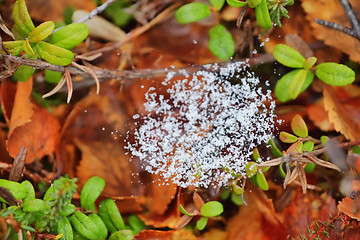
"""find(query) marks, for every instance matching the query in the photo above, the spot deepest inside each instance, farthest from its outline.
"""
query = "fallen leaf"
(318, 115)
(7, 95)
(181, 234)
(347, 206)
(40, 136)
(215, 234)
(343, 107)
(331, 10)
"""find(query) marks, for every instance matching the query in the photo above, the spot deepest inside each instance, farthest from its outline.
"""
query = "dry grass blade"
(91, 72)
(287, 177)
(323, 163)
(294, 175)
(5, 29)
(271, 163)
(57, 88)
(302, 176)
(199, 202)
(69, 84)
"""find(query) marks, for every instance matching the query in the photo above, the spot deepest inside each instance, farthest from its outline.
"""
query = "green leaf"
(122, 235)
(30, 190)
(28, 49)
(69, 36)
(287, 137)
(34, 205)
(237, 199)
(111, 216)
(102, 231)
(22, 18)
(262, 15)
(221, 43)
(236, 3)
(296, 83)
(288, 56)
(52, 76)
(117, 13)
(335, 74)
(211, 209)
(201, 223)
(192, 12)
(324, 140)
(281, 88)
(64, 227)
(19, 191)
(253, 3)
(217, 4)
(67, 210)
(14, 47)
(295, 147)
(183, 211)
(281, 170)
(250, 169)
(308, 146)
(84, 225)
(309, 168)
(42, 31)
(256, 155)
(23, 73)
(237, 189)
(135, 223)
(298, 126)
(309, 63)
(261, 181)
(90, 192)
(54, 54)
(274, 149)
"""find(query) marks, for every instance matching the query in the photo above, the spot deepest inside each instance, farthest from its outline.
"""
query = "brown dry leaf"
(318, 115)
(7, 96)
(343, 106)
(181, 234)
(215, 234)
(22, 109)
(39, 136)
(347, 206)
(303, 210)
(331, 10)
(52, 10)
(258, 220)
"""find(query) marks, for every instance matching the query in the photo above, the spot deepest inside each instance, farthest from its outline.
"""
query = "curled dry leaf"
(343, 107)
(331, 10)
(18, 165)
(347, 206)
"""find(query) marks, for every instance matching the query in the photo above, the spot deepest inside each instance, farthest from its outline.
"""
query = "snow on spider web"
(205, 129)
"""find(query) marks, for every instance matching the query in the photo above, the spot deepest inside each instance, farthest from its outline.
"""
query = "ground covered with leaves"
(204, 122)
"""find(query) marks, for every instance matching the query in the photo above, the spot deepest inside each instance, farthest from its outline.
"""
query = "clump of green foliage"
(56, 214)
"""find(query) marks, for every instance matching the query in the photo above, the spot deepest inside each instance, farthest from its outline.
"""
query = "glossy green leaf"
(308, 146)
(84, 225)
(296, 147)
(192, 12)
(217, 4)
(335, 74)
(250, 169)
(253, 3)
(221, 43)
(262, 15)
(14, 47)
(309, 63)
(281, 170)
(69, 36)
(309, 168)
(261, 181)
(287, 137)
(34, 205)
(54, 54)
(237, 199)
(19, 35)
(30, 190)
(102, 231)
(23, 73)
(67, 210)
(256, 155)
(201, 223)
(64, 227)
(19, 191)
(237, 189)
(22, 18)
(90, 192)
(281, 88)
(52, 76)
(274, 149)
(135, 223)
(298, 126)
(296, 83)
(28, 49)
(288, 56)
(42, 31)
(111, 216)
(236, 3)
(122, 235)
(211, 209)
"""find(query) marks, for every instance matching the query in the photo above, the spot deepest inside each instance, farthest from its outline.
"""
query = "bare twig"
(354, 31)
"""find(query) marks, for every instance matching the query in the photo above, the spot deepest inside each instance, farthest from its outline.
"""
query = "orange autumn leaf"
(343, 107)
(348, 206)
(331, 10)
(319, 116)
(7, 96)
(39, 136)
(165, 235)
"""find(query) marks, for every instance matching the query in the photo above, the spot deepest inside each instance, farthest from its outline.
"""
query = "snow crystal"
(204, 130)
